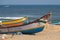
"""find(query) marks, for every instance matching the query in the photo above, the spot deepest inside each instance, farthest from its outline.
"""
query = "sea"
(32, 11)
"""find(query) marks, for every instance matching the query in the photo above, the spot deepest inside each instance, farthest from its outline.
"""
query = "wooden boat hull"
(27, 29)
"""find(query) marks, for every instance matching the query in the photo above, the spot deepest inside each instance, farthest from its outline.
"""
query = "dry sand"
(51, 32)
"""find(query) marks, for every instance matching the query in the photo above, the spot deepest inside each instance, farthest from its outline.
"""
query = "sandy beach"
(51, 32)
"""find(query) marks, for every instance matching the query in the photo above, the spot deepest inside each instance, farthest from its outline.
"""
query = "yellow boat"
(13, 21)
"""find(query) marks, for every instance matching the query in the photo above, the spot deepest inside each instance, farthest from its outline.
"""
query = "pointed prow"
(46, 17)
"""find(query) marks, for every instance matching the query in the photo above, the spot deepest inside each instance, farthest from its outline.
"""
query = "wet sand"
(51, 32)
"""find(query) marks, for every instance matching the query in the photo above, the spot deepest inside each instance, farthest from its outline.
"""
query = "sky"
(29, 2)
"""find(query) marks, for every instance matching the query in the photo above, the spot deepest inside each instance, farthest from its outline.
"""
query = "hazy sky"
(55, 2)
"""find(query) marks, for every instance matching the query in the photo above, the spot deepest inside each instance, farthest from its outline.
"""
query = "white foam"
(10, 17)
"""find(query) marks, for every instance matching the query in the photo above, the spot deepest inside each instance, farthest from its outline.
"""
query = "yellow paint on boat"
(13, 21)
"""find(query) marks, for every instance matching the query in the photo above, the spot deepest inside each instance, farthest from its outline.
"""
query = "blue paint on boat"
(32, 31)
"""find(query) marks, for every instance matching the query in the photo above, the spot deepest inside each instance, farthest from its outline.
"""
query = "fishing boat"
(13, 21)
(28, 28)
